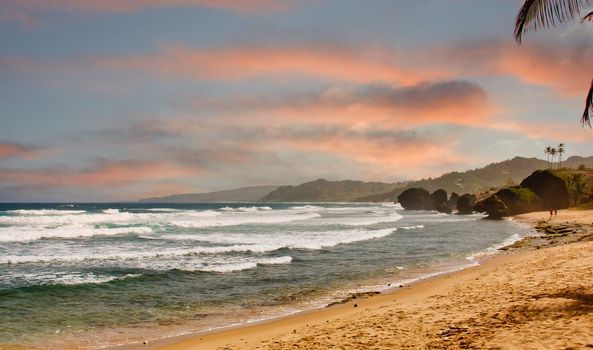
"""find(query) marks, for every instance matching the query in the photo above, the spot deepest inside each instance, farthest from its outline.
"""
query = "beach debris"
(353, 296)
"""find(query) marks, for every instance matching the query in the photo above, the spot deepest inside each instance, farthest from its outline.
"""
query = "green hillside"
(329, 191)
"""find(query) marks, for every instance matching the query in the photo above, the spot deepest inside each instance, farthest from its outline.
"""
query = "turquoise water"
(112, 271)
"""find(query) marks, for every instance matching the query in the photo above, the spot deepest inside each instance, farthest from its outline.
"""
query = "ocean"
(126, 272)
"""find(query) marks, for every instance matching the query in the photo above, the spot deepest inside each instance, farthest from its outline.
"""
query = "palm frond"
(588, 113)
(535, 14)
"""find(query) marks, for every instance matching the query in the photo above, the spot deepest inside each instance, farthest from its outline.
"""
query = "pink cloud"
(417, 154)
(242, 63)
(14, 150)
(456, 102)
(564, 67)
(103, 174)
(567, 70)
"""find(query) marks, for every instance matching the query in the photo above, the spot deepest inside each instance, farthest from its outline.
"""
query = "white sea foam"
(247, 265)
(494, 248)
(366, 220)
(392, 205)
(307, 207)
(23, 234)
(373, 221)
(411, 227)
(247, 209)
(313, 240)
(165, 210)
(226, 243)
(69, 278)
(243, 220)
(33, 212)
(137, 255)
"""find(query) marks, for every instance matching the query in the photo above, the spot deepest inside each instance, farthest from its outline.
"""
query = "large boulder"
(415, 199)
(550, 188)
(494, 207)
(453, 200)
(466, 204)
(520, 200)
(439, 197)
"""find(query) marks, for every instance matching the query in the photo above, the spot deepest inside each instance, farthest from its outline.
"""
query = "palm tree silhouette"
(553, 153)
(548, 152)
(560, 150)
(535, 14)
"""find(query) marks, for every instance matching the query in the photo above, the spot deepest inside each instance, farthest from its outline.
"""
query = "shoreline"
(352, 296)
(259, 334)
(252, 335)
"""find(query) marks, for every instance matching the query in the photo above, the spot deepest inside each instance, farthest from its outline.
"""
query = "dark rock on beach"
(439, 197)
(550, 188)
(453, 200)
(415, 199)
(541, 190)
(519, 200)
(494, 207)
(466, 204)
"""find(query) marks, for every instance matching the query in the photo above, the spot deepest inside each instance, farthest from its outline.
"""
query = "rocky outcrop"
(420, 199)
(541, 190)
(550, 188)
(453, 200)
(438, 198)
(466, 204)
(415, 199)
(519, 200)
(494, 207)
(440, 202)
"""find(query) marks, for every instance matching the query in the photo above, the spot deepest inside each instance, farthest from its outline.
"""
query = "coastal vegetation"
(552, 152)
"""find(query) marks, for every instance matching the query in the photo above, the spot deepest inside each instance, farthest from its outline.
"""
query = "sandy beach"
(525, 298)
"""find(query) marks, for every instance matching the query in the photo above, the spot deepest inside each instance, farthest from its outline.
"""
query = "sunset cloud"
(382, 148)
(566, 69)
(331, 61)
(15, 150)
(561, 66)
(458, 102)
(107, 174)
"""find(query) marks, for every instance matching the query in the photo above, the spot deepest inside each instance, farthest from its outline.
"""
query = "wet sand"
(533, 296)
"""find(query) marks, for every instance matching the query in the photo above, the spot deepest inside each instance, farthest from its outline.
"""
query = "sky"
(110, 100)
